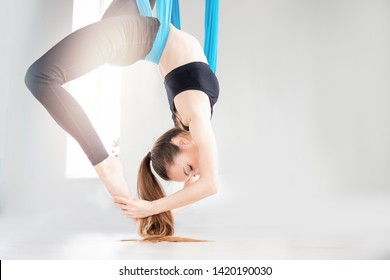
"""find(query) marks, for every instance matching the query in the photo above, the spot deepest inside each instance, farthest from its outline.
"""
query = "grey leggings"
(122, 37)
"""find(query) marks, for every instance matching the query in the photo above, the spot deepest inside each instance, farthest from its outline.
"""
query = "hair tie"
(149, 155)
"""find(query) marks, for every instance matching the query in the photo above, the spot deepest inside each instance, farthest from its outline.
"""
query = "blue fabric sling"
(167, 13)
(211, 32)
(164, 11)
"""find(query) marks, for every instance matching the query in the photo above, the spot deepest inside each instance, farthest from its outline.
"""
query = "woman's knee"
(37, 78)
(30, 79)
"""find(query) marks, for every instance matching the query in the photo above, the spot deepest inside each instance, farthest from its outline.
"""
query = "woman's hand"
(134, 208)
(111, 173)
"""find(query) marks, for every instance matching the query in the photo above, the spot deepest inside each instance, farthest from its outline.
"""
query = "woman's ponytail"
(156, 226)
(160, 227)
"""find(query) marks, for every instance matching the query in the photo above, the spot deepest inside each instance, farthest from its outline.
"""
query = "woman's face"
(186, 163)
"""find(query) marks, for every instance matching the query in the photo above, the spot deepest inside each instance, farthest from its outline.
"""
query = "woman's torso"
(181, 48)
(184, 67)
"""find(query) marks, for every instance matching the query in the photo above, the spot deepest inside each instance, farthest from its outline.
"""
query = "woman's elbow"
(212, 188)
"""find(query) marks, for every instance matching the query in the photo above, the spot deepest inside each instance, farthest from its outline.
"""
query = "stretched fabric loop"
(211, 32)
(167, 13)
(164, 12)
(175, 19)
(144, 8)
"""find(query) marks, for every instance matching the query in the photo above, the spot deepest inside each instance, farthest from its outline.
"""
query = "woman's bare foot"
(111, 173)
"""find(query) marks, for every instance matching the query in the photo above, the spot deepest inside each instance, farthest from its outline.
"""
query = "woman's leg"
(117, 40)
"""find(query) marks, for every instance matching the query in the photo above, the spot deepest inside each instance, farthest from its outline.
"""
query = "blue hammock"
(167, 13)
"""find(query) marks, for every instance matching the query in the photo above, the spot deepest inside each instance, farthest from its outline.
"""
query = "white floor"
(266, 226)
(257, 243)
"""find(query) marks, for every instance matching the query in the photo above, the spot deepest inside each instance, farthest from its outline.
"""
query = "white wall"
(5, 48)
(33, 145)
(6, 16)
(304, 100)
(6, 23)
(305, 91)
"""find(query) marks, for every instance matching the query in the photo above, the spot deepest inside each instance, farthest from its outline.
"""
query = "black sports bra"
(195, 76)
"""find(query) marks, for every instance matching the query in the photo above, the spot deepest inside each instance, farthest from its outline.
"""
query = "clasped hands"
(134, 208)
(111, 173)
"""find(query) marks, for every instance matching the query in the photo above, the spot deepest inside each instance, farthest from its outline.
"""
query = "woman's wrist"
(156, 207)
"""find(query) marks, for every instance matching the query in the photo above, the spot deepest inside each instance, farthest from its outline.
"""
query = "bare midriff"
(181, 48)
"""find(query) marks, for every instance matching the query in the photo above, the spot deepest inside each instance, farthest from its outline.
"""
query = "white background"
(302, 123)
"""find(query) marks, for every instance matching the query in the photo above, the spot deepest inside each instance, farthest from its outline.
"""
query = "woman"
(187, 153)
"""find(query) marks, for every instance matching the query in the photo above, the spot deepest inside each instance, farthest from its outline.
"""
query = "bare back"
(181, 48)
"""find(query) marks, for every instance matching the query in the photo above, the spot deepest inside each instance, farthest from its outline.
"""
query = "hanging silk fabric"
(175, 16)
(211, 32)
(167, 13)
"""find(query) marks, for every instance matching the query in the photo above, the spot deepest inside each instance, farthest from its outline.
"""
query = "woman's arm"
(186, 184)
(194, 109)
(206, 185)
(138, 208)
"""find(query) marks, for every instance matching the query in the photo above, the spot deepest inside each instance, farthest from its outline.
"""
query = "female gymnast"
(186, 153)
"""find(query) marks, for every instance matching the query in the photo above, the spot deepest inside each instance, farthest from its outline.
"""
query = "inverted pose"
(186, 153)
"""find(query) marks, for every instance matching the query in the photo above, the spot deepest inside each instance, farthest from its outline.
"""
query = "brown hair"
(159, 227)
